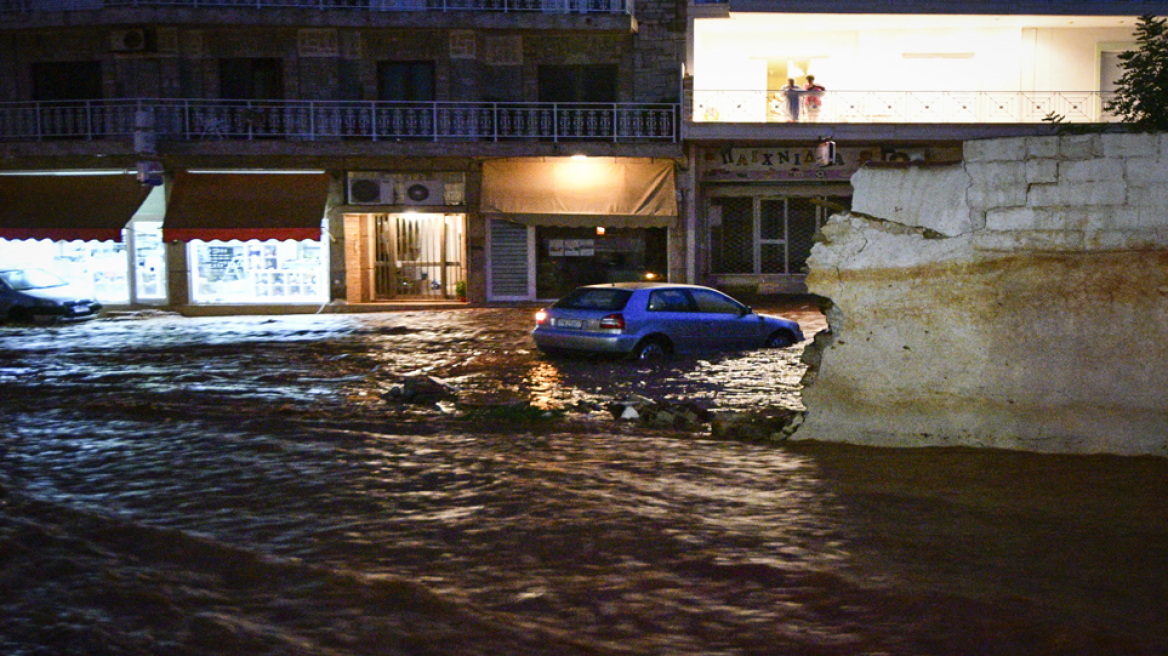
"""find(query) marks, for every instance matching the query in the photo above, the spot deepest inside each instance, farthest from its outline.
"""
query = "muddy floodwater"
(253, 486)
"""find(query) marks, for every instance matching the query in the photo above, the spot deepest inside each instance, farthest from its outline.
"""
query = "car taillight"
(541, 316)
(616, 321)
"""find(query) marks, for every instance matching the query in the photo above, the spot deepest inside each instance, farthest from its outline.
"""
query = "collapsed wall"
(1018, 299)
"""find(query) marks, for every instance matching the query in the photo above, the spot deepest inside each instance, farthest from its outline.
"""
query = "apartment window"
(74, 80)
(251, 78)
(405, 80)
(586, 83)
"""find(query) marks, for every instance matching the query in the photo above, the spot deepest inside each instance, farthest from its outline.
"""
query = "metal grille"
(419, 256)
(767, 235)
(802, 222)
(509, 269)
(732, 242)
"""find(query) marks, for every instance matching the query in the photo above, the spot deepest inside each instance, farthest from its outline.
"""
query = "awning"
(68, 207)
(243, 206)
(618, 192)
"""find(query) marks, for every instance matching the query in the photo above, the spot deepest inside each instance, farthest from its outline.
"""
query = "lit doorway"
(419, 256)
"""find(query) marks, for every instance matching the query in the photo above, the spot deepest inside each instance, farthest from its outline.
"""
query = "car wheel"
(780, 339)
(651, 349)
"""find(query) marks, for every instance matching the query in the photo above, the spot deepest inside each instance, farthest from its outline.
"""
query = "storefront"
(84, 228)
(250, 238)
(760, 208)
(556, 223)
(405, 236)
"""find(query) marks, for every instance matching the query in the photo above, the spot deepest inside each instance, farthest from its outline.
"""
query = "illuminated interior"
(258, 271)
(754, 53)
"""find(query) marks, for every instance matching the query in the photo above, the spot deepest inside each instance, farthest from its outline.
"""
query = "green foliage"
(1142, 97)
(1060, 128)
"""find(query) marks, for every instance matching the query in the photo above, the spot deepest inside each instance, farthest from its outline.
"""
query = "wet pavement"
(250, 485)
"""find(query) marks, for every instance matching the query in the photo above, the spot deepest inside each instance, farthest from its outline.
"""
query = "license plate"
(80, 309)
(570, 323)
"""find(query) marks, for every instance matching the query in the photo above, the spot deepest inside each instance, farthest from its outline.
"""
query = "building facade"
(299, 152)
(210, 152)
(786, 100)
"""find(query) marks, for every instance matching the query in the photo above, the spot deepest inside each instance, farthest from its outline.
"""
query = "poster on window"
(571, 247)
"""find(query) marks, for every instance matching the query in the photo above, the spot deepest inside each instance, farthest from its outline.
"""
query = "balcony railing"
(311, 120)
(544, 6)
(904, 106)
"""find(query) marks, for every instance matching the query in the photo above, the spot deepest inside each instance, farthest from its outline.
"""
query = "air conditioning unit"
(367, 188)
(423, 192)
(131, 40)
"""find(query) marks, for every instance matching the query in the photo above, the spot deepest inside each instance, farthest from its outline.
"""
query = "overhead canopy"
(620, 192)
(243, 206)
(68, 207)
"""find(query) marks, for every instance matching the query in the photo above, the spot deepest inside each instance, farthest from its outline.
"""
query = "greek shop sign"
(778, 164)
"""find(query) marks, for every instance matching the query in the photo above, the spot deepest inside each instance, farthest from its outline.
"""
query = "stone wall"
(1017, 300)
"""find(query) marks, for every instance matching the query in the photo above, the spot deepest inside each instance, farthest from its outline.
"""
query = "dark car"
(651, 320)
(39, 296)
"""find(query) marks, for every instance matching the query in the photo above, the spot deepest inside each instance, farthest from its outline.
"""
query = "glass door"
(419, 256)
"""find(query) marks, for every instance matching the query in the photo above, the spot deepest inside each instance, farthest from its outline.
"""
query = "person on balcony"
(794, 96)
(813, 98)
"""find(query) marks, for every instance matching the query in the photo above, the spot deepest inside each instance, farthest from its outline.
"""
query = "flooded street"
(250, 485)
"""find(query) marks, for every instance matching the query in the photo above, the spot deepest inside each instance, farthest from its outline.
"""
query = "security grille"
(509, 260)
(772, 235)
(732, 242)
(803, 220)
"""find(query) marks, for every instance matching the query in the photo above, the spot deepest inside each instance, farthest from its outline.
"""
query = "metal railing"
(537, 6)
(904, 106)
(311, 120)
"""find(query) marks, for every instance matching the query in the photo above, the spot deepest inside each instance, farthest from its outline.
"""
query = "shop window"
(149, 261)
(96, 268)
(405, 80)
(570, 257)
(752, 235)
(732, 235)
(258, 272)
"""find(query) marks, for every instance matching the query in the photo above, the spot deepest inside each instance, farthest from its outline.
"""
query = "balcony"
(492, 6)
(905, 107)
(903, 116)
(309, 120)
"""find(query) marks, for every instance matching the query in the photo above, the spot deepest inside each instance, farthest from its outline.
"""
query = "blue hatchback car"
(651, 320)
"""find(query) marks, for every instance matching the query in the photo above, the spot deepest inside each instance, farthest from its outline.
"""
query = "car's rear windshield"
(595, 298)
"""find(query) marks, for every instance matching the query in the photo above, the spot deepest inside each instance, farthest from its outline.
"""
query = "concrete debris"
(661, 414)
(766, 425)
(420, 390)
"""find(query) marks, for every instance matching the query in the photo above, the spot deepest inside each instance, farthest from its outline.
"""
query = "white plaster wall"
(1041, 323)
(1005, 59)
(1067, 59)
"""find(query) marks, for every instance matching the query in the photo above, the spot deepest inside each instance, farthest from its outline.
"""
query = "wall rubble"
(1016, 300)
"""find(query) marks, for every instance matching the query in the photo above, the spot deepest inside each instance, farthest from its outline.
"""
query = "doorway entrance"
(419, 256)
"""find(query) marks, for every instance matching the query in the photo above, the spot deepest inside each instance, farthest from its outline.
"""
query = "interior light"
(649, 275)
(599, 230)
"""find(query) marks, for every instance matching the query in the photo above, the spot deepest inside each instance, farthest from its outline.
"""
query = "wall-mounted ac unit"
(423, 192)
(131, 40)
(370, 188)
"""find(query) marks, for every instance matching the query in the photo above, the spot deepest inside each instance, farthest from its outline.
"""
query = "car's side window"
(715, 303)
(668, 300)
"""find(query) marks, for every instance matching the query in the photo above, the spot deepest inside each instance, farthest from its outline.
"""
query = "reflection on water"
(232, 486)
